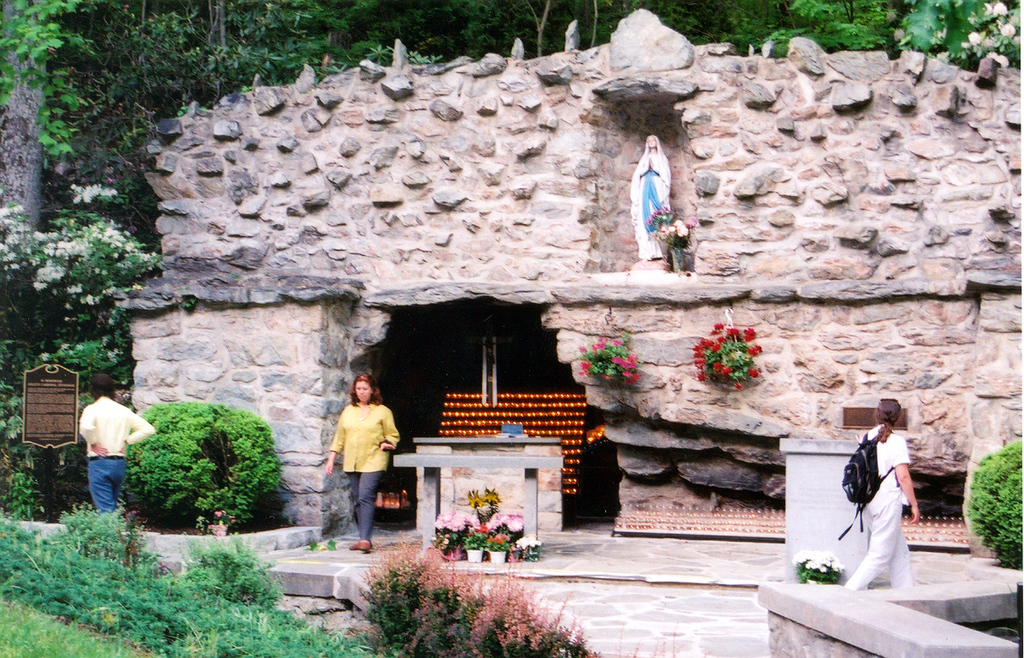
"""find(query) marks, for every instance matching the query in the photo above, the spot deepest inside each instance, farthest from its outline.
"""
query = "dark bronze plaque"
(863, 418)
(50, 407)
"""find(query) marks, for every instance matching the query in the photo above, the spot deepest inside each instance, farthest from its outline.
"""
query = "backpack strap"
(860, 513)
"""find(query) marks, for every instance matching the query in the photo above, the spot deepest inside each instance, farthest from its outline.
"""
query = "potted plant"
(450, 531)
(498, 545)
(507, 524)
(727, 356)
(475, 544)
(527, 549)
(677, 236)
(219, 525)
(817, 567)
(611, 359)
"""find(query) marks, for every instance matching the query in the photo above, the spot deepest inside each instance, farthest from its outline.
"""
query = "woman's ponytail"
(887, 414)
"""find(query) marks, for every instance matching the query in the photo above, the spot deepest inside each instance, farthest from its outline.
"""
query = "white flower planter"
(474, 555)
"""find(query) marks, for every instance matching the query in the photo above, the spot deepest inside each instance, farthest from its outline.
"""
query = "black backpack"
(860, 479)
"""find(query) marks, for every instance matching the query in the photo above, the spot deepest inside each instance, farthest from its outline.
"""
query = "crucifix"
(489, 365)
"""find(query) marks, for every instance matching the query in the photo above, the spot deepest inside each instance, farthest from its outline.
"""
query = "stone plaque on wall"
(50, 406)
(863, 418)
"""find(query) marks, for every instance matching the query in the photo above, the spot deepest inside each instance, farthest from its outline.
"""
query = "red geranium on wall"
(727, 356)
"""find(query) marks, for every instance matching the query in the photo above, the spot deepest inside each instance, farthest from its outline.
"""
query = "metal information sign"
(50, 408)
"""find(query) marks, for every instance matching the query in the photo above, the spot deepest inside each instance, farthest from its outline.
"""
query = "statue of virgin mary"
(648, 193)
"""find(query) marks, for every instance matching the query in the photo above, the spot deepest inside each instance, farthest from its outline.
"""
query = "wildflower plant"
(817, 567)
(727, 356)
(611, 359)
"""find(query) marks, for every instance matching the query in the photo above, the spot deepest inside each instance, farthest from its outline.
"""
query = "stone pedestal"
(817, 510)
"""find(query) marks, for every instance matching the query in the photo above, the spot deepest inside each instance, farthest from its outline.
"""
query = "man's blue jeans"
(105, 478)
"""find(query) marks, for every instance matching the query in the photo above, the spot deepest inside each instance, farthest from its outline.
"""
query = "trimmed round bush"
(204, 458)
(994, 508)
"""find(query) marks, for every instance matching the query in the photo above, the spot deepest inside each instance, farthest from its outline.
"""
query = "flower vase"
(474, 555)
(682, 259)
(218, 530)
(496, 557)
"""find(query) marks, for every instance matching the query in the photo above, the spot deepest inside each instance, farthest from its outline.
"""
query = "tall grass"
(26, 633)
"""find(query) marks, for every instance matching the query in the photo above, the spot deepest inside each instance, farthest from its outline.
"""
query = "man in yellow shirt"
(107, 428)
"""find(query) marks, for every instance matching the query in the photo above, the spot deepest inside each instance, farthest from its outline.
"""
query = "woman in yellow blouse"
(366, 434)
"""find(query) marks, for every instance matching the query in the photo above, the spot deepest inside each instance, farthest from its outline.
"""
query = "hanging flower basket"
(610, 359)
(727, 357)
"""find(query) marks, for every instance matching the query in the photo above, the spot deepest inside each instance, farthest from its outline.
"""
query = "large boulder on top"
(642, 43)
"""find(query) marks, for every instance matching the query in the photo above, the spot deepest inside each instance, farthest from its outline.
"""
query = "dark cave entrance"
(431, 351)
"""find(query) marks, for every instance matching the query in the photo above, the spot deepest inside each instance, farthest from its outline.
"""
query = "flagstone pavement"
(640, 597)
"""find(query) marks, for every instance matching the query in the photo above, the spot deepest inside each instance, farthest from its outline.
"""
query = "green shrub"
(233, 572)
(106, 536)
(204, 458)
(421, 607)
(994, 508)
(165, 615)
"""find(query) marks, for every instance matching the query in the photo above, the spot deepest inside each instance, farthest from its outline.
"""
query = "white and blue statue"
(648, 193)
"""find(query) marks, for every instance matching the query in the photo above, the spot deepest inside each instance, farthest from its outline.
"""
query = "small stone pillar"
(817, 510)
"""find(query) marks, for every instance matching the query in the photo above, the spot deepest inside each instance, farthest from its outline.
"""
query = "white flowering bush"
(57, 305)
(996, 34)
(817, 567)
(69, 275)
(963, 32)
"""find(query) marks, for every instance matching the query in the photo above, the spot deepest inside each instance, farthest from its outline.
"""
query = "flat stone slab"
(507, 460)
(867, 621)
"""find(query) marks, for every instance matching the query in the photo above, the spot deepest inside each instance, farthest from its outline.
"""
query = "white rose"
(974, 38)
(1007, 30)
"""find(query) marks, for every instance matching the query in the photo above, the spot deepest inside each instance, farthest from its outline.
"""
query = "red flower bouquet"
(727, 356)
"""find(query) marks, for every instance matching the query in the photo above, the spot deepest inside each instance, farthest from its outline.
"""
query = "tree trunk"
(540, 28)
(21, 153)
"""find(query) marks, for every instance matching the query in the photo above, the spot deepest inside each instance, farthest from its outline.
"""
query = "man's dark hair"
(102, 386)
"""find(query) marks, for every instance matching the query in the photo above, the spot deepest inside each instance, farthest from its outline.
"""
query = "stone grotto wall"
(862, 214)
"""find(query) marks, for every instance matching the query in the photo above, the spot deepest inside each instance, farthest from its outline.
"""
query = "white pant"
(887, 547)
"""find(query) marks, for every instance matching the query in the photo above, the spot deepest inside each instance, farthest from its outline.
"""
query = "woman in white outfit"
(648, 193)
(887, 547)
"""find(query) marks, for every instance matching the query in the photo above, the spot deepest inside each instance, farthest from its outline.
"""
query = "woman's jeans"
(363, 492)
(105, 478)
